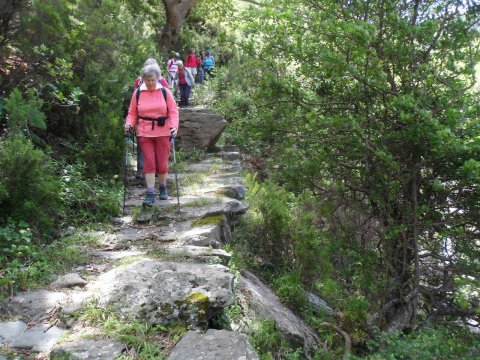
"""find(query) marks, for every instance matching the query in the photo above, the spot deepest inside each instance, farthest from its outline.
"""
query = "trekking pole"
(125, 183)
(172, 139)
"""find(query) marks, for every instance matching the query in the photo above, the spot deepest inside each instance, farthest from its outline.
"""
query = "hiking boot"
(149, 199)
(163, 192)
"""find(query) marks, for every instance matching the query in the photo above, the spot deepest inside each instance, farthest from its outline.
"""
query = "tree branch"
(346, 337)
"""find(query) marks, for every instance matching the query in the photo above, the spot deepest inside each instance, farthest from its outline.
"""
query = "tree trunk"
(176, 13)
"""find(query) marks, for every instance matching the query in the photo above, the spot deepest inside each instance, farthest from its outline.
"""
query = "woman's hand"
(128, 128)
(173, 131)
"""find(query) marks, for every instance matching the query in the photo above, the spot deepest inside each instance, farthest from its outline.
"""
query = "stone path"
(163, 267)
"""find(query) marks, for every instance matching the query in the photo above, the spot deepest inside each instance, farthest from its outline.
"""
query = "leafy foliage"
(373, 108)
(22, 114)
(25, 264)
(28, 187)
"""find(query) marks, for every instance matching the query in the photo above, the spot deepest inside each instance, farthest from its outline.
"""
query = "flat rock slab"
(9, 331)
(213, 345)
(68, 281)
(34, 304)
(164, 292)
(198, 251)
(115, 255)
(228, 207)
(88, 350)
(262, 303)
(212, 234)
(226, 155)
(39, 338)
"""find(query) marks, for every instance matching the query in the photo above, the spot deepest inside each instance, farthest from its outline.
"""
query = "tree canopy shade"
(373, 105)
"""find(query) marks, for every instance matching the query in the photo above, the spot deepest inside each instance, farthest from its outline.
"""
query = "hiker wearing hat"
(185, 82)
(208, 64)
(154, 111)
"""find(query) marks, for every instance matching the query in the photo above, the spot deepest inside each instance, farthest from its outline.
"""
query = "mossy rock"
(227, 192)
(209, 220)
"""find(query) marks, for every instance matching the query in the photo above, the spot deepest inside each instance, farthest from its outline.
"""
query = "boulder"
(214, 344)
(38, 338)
(260, 302)
(34, 304)
(318, 305)
(165, 292)
(68, 281)
(9, 331)
(88, 350)
(199, 128)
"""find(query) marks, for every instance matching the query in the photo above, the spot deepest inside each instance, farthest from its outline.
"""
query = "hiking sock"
(150, 180)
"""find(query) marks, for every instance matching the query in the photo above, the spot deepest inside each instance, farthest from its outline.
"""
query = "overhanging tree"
(380, 97)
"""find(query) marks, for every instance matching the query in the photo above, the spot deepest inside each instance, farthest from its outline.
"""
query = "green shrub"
(28, 187)
(270, 345)
(290, 289)
(23, 115)
(87, 199)
(24, 263)
(440, 344)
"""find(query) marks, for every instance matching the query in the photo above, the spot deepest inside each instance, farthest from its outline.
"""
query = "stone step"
(213, 345)
(164, 292)
(39, 338)
(197, 251)
(85, 349)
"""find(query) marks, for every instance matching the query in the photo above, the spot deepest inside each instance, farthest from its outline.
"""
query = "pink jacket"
(152, 105)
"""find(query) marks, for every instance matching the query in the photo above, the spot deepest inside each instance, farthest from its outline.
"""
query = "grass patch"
(128, 260)
(270, 344)
(201, 202)
(144, 340)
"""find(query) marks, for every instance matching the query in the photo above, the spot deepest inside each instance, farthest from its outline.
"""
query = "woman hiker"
(208, 64)
(186, 82)
(138, 81)
(192, 62)
(154, 111)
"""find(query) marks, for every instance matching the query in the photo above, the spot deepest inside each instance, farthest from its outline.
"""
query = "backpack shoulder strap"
(138, 95)
(164, 93)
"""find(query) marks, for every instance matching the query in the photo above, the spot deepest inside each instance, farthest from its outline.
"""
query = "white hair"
(151, 70)
(179, 62)
(150, 61)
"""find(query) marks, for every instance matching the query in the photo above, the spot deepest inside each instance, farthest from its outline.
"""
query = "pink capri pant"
(156, 151)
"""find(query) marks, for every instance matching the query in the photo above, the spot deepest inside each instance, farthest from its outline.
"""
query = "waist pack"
(160, 120)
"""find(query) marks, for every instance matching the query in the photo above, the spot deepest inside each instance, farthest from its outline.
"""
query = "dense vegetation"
(360, 119)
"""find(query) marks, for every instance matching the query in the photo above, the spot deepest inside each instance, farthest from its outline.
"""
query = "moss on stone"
(209, 220)
(227, 192)
(197, 298)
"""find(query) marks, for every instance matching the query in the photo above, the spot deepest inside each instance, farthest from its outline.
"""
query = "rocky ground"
(163, 267)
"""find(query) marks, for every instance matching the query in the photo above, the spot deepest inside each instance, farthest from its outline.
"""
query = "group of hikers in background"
(153, 112)
(183, 76)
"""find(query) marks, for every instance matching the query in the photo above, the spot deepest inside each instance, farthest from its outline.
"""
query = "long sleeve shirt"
(151, 104)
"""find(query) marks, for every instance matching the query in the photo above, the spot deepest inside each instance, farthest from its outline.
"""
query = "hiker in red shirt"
(192, 62)
(138, 81)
